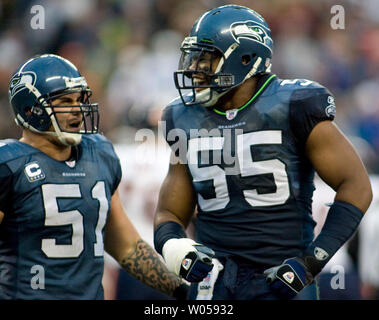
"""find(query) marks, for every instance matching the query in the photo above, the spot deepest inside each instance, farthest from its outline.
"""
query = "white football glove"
(188, 259)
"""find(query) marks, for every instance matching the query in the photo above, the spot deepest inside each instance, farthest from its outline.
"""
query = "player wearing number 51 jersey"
(59, 204)
(55, 213)
(252, 143)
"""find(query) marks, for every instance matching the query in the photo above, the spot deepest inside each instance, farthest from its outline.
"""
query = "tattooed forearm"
(145, 265)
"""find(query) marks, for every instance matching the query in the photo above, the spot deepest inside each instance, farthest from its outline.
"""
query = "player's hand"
(288, 279)
(197, 264)
(188, 259)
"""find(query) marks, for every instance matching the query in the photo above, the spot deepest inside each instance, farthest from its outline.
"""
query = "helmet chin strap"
(69, 139)
(217, 95)
(213, 100)
(66, 138)
(253, 70)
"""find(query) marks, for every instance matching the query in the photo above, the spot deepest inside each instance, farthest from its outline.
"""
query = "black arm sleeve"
(308, 107)
(6, 178)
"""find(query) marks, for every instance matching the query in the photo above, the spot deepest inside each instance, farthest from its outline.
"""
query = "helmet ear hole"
(28, 111)
(246, 59)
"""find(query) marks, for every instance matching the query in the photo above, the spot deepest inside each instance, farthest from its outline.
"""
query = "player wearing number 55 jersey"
(59, 204)
(252, 143)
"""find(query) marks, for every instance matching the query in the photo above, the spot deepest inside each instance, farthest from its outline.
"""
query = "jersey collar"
(263, 82)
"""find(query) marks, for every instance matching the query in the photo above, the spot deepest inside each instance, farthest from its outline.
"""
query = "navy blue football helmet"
(37, 83)
(236, 44)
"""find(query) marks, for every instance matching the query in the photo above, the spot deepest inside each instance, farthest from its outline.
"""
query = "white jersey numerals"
(247, 168)
(214, 172)
(302, 82)
(55, 217)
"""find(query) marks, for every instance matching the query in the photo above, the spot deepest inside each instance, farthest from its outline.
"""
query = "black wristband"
(341, 222)
(165, 231)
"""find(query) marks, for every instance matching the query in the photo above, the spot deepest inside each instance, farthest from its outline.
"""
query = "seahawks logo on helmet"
(250, 30)
(18, 82)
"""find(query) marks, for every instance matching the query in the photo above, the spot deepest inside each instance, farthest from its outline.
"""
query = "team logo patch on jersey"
(34, 172)
(320, 254)
(18, 82)
(249, 30)
(231, 114)
(289, 276)
(71, 164)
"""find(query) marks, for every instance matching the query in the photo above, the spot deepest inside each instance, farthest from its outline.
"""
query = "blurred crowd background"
(128, 50)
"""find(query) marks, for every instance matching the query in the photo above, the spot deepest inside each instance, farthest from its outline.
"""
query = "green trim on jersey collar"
(251, 100)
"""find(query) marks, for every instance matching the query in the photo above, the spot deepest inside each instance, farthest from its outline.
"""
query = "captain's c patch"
(34, 172)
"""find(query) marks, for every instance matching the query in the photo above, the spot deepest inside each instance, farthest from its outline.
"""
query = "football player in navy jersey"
(252, 144)
(59, 204)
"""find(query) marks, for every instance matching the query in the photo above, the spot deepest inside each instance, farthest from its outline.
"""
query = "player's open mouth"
(75, 125)
(202, 83)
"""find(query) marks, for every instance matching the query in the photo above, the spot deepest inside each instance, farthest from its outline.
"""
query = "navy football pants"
(241, 281)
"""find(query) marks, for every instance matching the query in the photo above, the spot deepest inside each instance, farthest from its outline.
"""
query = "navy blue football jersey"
(248, 167)
(51, 237)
